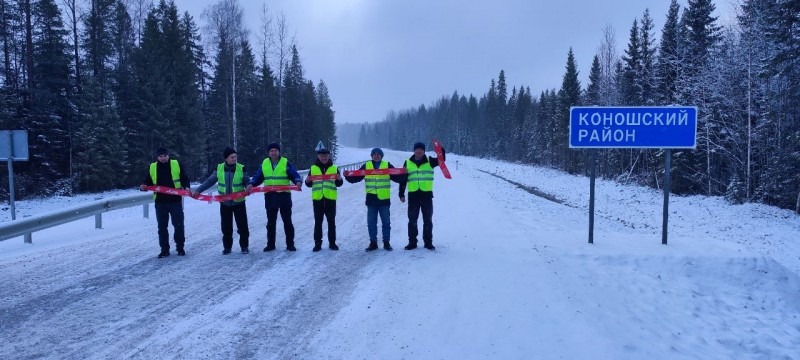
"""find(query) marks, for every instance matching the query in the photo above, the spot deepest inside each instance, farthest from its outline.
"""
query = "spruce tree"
(48, 110)
(647, 53)
(593, 95)
(631, 91)
(669, 57)
(569, 95)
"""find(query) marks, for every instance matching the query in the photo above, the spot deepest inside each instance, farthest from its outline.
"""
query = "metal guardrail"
(27, 227)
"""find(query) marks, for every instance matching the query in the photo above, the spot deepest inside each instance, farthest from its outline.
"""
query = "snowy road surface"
(511, 278)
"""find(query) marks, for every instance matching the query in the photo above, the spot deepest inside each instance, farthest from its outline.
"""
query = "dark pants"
(272, 220)
(414, 207)
(324, 208)
(228, 214)
(372, 222)
(163, 212)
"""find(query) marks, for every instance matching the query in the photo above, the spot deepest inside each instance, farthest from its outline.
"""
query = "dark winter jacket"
(212, 180)
(419, 194)
(277, 199)
(164, 178)
(372, 199)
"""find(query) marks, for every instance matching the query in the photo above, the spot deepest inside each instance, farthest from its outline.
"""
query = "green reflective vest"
(378, 184)
(323, 188)
(277, 176)
(238, 180)
(420, 178)
(174, 169)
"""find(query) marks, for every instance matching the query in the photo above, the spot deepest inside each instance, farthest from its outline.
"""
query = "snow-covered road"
(511, 278)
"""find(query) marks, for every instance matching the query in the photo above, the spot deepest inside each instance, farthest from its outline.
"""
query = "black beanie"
(273, 146)
(162, 151)
(419, 145)
(227, 152)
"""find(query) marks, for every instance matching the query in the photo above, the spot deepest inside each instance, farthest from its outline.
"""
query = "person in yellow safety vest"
(377, 188)
(323, 195)
(277, 170)
(419, 181)
(230, 177)
(168, 173)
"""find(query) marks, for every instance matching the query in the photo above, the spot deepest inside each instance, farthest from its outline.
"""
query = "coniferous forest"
(101, 84)
(744, 79)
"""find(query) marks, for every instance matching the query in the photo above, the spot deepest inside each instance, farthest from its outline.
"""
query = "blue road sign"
(14, 145)
(665, 127)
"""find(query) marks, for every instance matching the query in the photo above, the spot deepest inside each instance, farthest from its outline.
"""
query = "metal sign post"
(647, 127)
(13, 146)
(591, 197)
(10, 162)
(667, 165)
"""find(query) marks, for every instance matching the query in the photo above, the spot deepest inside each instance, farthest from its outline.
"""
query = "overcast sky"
(382, 55)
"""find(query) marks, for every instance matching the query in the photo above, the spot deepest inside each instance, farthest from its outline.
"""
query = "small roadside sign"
(14, 145)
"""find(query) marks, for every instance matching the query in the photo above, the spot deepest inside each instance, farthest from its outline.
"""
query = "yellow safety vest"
(238, 180)
(174, 169)
(378, 184)
(277, 176)
(323, 188)
(419, 177)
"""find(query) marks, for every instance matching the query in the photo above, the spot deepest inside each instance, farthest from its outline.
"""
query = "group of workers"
(279, 177)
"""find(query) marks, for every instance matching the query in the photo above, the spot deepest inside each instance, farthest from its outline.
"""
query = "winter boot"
(332, 245)
(163, 254)
(373, 245)
(290, 246)
(226, 251)
(411, 245)
(317, 246)
(270, 246)
(429, 245)
(386, 245)
(181, 252)
(245, 251)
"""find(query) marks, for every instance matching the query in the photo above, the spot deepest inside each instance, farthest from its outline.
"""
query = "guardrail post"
(29, 238)
(146, 211)
(98, 221)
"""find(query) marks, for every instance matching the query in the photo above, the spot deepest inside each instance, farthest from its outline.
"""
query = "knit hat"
(376, 151)
(273, 146)
(162, 151)
(419, 145)
(227, 152)
(323, 151)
